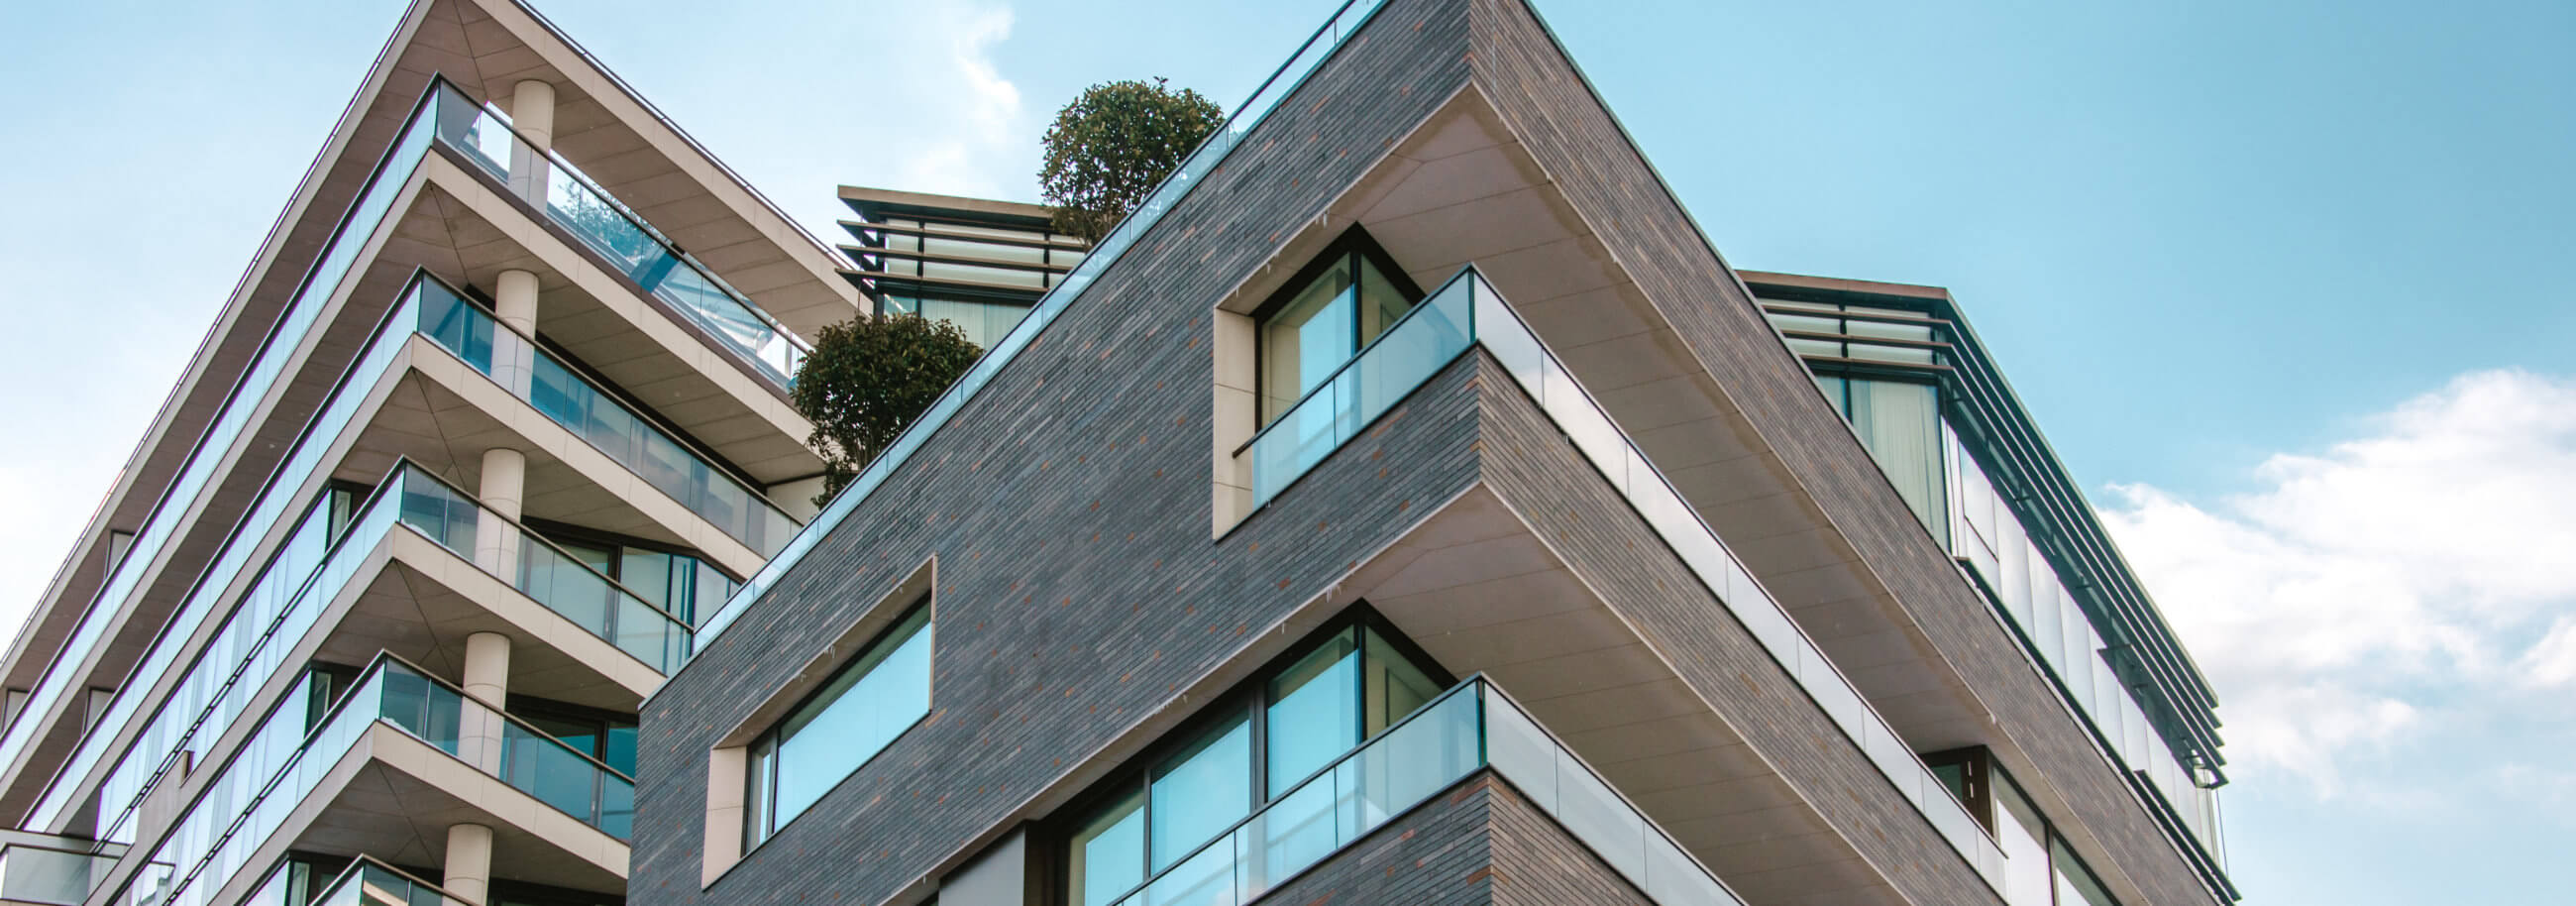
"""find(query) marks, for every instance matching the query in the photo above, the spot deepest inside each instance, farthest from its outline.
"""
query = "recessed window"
(1343, 299)
(856, 714)
(1293, 721)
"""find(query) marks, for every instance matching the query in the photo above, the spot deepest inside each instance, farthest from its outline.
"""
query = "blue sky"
(2280, 280)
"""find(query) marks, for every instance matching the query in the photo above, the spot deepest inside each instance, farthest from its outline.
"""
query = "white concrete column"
(514, 359)
(532, 113)
(487, 687)
(496, 534)
(514, 299)
(469, 863)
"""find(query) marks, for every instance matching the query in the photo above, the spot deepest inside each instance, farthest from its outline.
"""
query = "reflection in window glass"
(1305, 340)
(1313, 712)
(1396, 686)
(1310, 331)
(1201, 791)
(856, 714)
(1109, 852)
(1309, 712)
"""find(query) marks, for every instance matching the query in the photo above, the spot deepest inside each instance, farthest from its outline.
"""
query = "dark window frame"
(1247, 700)
(1352, 246)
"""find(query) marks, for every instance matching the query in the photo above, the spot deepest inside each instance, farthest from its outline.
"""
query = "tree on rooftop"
(867, 379)
(1115, 143)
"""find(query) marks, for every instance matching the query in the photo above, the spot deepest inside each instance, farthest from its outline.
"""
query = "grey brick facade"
(1079, 594)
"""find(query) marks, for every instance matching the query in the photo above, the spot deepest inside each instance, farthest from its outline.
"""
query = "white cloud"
(2365, 595)
(967, 134)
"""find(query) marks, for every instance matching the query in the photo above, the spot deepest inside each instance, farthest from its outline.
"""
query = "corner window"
(1348, 296)
(1292, 721)
(856, 714)
(1899, 422)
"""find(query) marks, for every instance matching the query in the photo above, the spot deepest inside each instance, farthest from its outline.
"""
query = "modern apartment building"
(498, 410)
(1409, 505)
(975, 263)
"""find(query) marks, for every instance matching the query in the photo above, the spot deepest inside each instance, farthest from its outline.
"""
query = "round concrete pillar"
(487, 667)
(514, 301)
(468, 874)
(532, 111)
(496, 530)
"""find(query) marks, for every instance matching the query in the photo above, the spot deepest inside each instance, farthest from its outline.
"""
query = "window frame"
(2051, 841)
(1247, 700)
(564, 534)
(755, 805)
(1353, 246)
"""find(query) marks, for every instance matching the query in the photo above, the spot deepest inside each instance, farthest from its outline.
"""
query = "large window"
(855, 715)
(1343, 299)
(1900, 423)
(1292, 721)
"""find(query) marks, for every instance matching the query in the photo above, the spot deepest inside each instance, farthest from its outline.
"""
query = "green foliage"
(866, 379)
(1113, 145)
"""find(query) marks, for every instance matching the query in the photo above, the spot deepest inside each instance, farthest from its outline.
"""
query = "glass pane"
(855, 716)
(1305, 340)
(2076, 885)
(1595, 815)
(1313, 712)
(1900, 423)
(758, 793)
(2019, 832)
(1296, 831)
(1395, 685)
(1380, 302)
(1109, 852)
(1201, 791)
(1206, 879)
(647, 574)
(619, 752)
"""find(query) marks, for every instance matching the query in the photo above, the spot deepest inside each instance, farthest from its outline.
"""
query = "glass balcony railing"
(296, 321)
(366, 882)
(1470, 727)
(1466, 312)
(287, 595)
(631, 246)
(1319, 46)
(598, 418)
(554, 389)
(415, 499)
(55, 877)
(293, 749)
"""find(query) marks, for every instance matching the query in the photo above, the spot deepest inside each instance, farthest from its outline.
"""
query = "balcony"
(442, 118)
(286, 604)
(31, 873)
(436, 315)
(366, 882)
(571, 200)
(1465, 314)
(599, 418)
(1469, 728)
(292, 752)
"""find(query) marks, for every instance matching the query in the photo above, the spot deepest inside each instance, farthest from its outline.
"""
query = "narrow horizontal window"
(856, 714)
